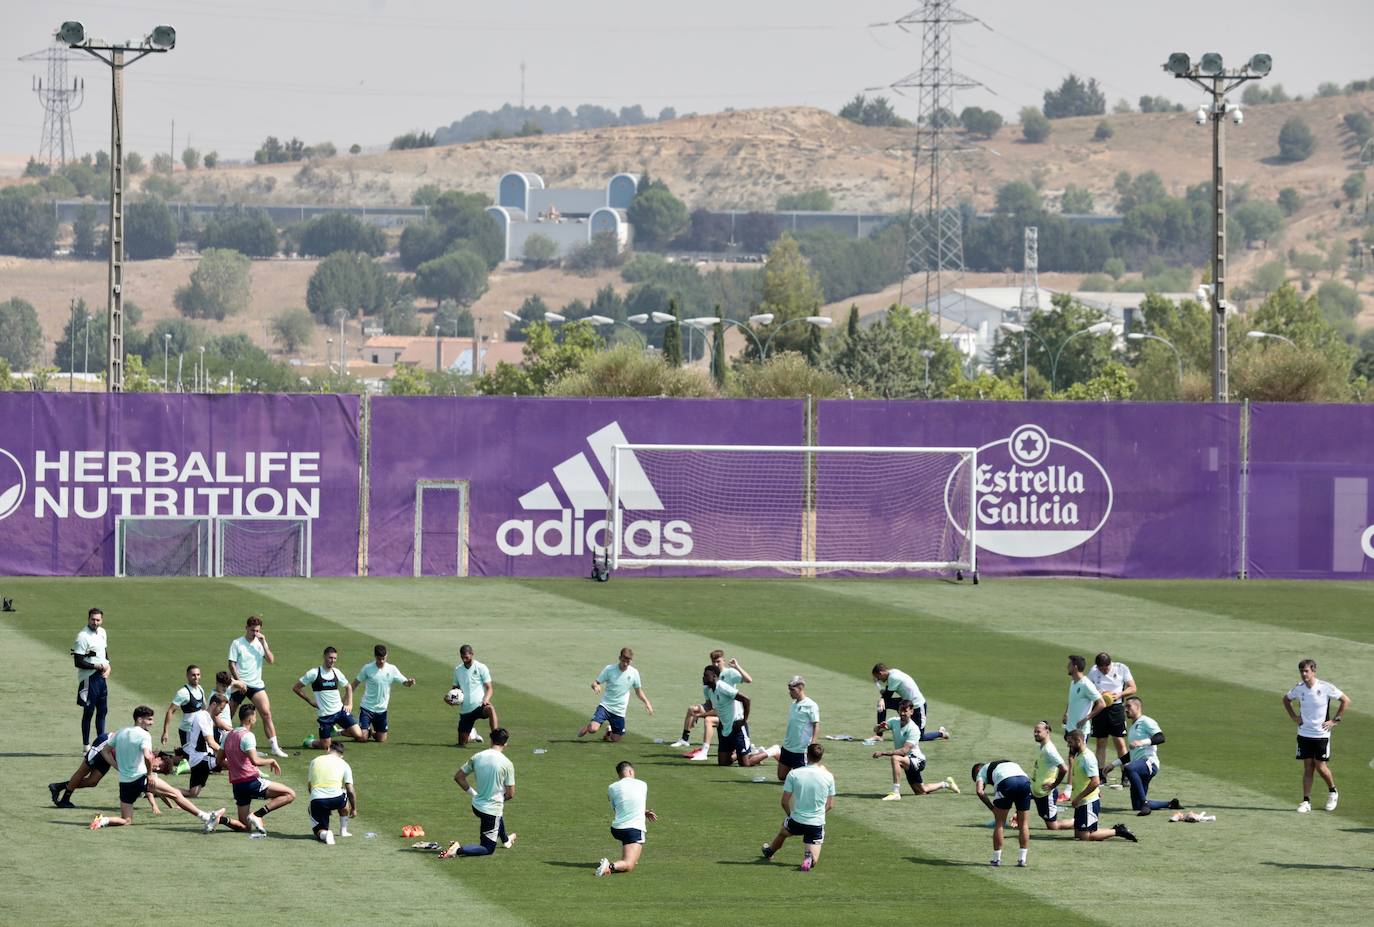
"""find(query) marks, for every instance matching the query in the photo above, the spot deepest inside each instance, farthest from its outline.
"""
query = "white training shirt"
(1004, 770)
(202, 729)
(629, 797)
(1115, 680)
(248, 657)
(1313, 706)
(93, 643)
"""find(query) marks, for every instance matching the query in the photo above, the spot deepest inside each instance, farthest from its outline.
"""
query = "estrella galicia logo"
(1036, 495)
(12, 484)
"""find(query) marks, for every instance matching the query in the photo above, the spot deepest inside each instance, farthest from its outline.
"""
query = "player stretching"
(1085, 702)
(246, 657)
(130, 751)
(227, 693)
(906, 756)
(1314, 729)
(1086, 801)
(331, 707)
(1049, 770)
(239, 757)
(1141, 765)
(732, 673)
(807, 794)
(494, 775)
(377, 678)
(614, 684)
(331, 789)
(93, 768)
(1114, 681)
(90, 654)
(895, 687)
(734, 724)
(803, 728)
(1010, 786)
(475, 680)
(629, 797)
(190, 698)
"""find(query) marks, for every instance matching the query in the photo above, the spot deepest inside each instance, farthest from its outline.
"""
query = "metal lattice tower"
(935, 235)
(1030, 273)
(60, 99)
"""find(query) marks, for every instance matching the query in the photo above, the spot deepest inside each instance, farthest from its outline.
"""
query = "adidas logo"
(573, 533)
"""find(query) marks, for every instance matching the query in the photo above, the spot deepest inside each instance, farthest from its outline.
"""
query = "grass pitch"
(1211, 660)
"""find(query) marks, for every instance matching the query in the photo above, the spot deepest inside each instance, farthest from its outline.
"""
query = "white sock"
(997, 855)
(274, 743)
(343, 822)
(896, 789)
(1021, 855)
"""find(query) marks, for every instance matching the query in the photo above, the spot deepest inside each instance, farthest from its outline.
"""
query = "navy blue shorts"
(238, 695)
(913, 772)
(603, 716)
(130, 792)
(491, 829)
(372, 721)
(97, 763)
(320, 808)
(1045, 807)
(733, 744)
(810, 833)
(1013, 790)
(245, 793)
(468, 719)
(627, 835)
(1085, 816)
(791, 760)
(342, 718)
(93, 691)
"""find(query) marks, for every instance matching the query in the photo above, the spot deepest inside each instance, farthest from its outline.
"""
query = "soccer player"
(246, 657)
(1085, 702)
(1314, 722)
(1086, 801)
(494, 775)
(734, 724)
(906, 756)
(629, 799)
(90, 654)
(803, 728)
(475, 680)
(239, 757)
(88, 774)
(330, 780)
(1049, 770)
(199, 750)
(222, 700)
(732, 673)
(1010, 786)
(1114, 681)
(190, 698)
(330, 706)
(130, 752)
(807, 794)
(894, 687)
(377, 678)
(1142, 764)
(614, 684)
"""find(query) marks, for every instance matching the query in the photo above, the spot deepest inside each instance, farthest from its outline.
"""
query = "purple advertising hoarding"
(71, 463)
(495, 486)
(1111, 489)
(1309, 504)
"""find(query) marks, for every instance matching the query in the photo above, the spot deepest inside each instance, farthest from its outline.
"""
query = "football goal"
(247, 545)
(162, 545)
(796, 509)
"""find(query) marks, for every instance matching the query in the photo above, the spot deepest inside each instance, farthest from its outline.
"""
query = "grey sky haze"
(366, 70)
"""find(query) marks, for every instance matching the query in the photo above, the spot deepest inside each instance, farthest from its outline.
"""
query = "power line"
(59, 100)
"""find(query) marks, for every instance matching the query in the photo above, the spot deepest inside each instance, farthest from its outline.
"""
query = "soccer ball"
(1108, 697)
(454, 696)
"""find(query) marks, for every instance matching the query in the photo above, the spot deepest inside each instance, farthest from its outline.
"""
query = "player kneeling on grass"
(1141, 764)
(629, 797)
(130, 751)
(1049, 771)
(376, 678)
(906, 756)
(807, 794)
(732, 673)
(331, 789)
(734, 724)
(1086, 801)
(1010, 787)
(239, 757)
(331, 707)
(492, 785)
(614, 684)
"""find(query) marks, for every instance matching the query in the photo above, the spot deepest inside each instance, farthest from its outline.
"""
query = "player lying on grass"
(1141, 764)
(88, 774)
(1010, 787)
(629, 806)
(330, 780)
(130, 752)
(1086, 801)
(734, 723)
(332, 700)
(895, 687)
(906, 756)
(1047, 774)
(732, 673)
(491, 786)
(614, 684)
(807, 794)
(238, 756)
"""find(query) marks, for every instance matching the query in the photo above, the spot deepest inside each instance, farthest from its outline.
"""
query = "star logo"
(1029, 445)
(12, 484)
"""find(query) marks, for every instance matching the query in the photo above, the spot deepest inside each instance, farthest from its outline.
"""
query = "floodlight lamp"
(1100, 328)
(1135, 336)
(638, 319)
(1203, 293)
(1211, 63)
(600, 320)
(1236, 115)
(663, 317)
(1012, 327)
(1261, 64)
(701, 321)
(1179, 64)
(1201, 116)
(927, 353)
(163, 37)
(511, 315)
(71, 33)
(554, 317)
(820, 321)
(762, 318)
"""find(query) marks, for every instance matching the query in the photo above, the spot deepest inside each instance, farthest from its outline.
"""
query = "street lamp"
(1216, 81)
(329, 355)
(927, 353)
(602, 321)
(1101, 328)
(166, 347)
(662, 318)
(820, 321)
(161, 39)
(703, 322)
(554, 317)
(1260, 335)
(1017, 329)
(200, 370)
(1141, 336)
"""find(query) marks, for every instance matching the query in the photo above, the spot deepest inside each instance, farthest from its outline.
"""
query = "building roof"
(388, 341)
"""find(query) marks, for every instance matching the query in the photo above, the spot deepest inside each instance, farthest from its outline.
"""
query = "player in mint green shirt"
(614, 684)
(906, 756)
(807, 794)
(491, 786)
(1087, 804)
(732, 673)
(377, 679)
(1049, 770)
(1143, 738)
(803, 728)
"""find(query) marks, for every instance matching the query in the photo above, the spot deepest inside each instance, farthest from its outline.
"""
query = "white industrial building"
(567, 217)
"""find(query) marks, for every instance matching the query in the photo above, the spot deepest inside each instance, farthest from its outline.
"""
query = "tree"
(162, 163)
(133, 162)
(1353, 187)
(247, 230)
(1103, 131)
(1114, 267)
(540, 250)
(1289, 200)
(409, 140)
(531, 311)
(85, 241)
(211, 160)
(788, 375)
(86, 181)
(718, 350)
(1296, 141)
(602, 251)
(1018, 199)
(190, 158)
(1360, 126)
(36, 168)
(452, 320)
(817, 199)
(672, 338)
(876, 111)
(885, 359)
(219, 286)
(791, 290)
(1076, 200)
(1035, 128)
(21, 337)
(351, 282)
(627, 370)
(1339, 303)
(547, 359)
(337, 231)
(399, 318)
(355, 148)
(1075, 98)
(1270, 276)
(1080, 359)
(1112, 384)
(28, 227)
(984, 386)
(422, 241)
(458, 275)
(1258, 220)
(983, 122)
(426, 195)
(657, 216)
(149, 231)
(292, 329)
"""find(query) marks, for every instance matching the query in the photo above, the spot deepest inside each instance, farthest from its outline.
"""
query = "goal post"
(262, 545)
(163, 545)
(802, 509)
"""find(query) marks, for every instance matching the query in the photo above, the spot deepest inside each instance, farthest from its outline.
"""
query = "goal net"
(262, 546)
(149, 545)
(799, 509)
